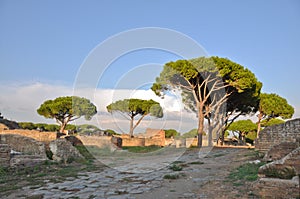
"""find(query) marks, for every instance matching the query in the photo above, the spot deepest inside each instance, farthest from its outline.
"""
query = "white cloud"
(20, 102)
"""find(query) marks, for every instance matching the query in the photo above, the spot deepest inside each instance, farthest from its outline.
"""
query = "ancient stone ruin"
(280, 177)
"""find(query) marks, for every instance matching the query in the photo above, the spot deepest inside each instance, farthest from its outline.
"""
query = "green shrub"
(171, 133)
(171, 176)
(175, 167)
(246, 172)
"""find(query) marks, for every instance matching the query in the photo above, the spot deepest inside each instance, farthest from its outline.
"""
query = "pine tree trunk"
(210, 143)
(200, 124)
(259, 124)
(131, 127)
(62, 127)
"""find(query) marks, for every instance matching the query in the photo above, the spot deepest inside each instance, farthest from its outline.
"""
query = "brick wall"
(270, 136)
(37, 135)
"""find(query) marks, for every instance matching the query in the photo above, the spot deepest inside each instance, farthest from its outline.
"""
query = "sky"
(46, 45)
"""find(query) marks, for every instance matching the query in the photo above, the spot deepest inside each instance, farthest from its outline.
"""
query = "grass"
(196, 162)
(141, 149)
(171, 176)
(246, 172)
(37, 176)
(175, 167)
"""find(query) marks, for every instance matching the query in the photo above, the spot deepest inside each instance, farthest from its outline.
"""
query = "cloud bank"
(20, 102)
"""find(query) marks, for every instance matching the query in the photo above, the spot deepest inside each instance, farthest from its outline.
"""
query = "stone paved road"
(113, 184)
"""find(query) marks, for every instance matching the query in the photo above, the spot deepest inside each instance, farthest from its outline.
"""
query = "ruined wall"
(277, 188)
(99, 141)
(4, 155)
(23, 144)
(133, 142)
(37, 135)
(270, 136)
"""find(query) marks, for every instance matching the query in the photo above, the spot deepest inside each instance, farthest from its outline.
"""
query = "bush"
(175, 167)
(191, 134)
(27, 125)
(171, 133)
(171, 176)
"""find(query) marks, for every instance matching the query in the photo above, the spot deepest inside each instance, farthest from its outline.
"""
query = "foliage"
(246, 172)
(242, 84)
(171, 176)
(134, 107)
(273, 105)
(250, 137)
(245, 126)
(226, 134)
(207, 83)
(67, 109)
(191, 134)
(111, 132)
(246, 129)
(86, 128)
(175, 167)
(271, 122)
(27, 125)
(171, 133)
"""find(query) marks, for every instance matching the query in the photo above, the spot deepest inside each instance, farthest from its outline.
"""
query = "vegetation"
(191, 134)
(207, 85)
(246, 172)
(273, 106)
(271, 122)
(67, 109)
(171, 133)
(44, 127)
(175, 167)
(135, 107)
(171, 176)
(243, 127)
(141, 149)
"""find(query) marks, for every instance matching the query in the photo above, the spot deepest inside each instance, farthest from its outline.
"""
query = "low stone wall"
(24, 144)
(273, 135)
(133, 142)
(277, 188)
(37, 135)
(99, 141)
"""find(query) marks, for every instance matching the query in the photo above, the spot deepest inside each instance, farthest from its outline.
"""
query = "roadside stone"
(63, 151)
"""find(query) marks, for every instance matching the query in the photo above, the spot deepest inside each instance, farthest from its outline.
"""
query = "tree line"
(217, 89)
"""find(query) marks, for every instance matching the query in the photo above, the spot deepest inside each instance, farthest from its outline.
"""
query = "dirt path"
(206, 178)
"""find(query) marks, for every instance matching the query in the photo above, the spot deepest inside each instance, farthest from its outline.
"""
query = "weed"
(171, 176)
(197, 162)
(175, 167)
(246, 172)
(142, 149)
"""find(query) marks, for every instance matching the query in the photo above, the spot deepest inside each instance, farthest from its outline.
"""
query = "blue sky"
(47, 41)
